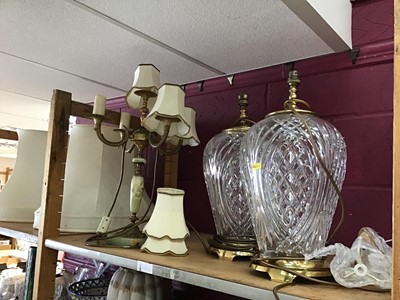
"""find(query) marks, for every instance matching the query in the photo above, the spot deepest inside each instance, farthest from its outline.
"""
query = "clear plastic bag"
(367, 264)
(12, 284)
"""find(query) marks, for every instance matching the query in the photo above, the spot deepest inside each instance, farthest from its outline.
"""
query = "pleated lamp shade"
(166, 230)
(170, 104)
(22, 194)
(147, 77)
(91, 180)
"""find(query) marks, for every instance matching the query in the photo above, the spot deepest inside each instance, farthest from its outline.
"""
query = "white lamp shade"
(165, 246)
(91, 179)
(191, 137)
(169, 104)
(147, 77)
(167, 219)
(22, 194)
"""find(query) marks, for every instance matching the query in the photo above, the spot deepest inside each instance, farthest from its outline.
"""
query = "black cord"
(288, 105)
(280, 286)
(97, 238)
(121, 177)
(206, 246)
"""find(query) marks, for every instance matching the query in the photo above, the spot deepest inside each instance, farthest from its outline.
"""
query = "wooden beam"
(396, 157)
(53, 186)
(8, 135)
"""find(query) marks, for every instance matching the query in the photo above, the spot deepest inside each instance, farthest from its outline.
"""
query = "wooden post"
(8, 135)
(8, 174)
(171, 169)
(53, 186)
(396, 157)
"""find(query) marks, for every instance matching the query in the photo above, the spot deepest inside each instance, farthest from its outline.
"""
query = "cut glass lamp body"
(221, 165)
(290, 195)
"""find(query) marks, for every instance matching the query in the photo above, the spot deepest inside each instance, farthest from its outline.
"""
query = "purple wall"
(356, 98)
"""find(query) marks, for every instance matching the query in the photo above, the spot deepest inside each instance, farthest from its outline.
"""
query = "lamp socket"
(104, 225)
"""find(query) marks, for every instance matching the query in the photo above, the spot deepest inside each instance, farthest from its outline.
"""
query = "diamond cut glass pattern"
(225, 186)
(290, 194)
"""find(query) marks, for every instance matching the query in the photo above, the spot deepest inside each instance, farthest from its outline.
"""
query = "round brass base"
(276, 268)
(228, 247)
(229, 255)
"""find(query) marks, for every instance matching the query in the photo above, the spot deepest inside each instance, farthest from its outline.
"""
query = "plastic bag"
(367, 264)
(12, 284)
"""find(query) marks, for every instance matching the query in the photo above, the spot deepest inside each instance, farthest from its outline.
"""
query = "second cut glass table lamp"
(222, 174)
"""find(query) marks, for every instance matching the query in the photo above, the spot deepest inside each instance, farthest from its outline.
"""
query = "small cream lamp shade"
(147, 77)
(169, 105)
(166, 230)
(22, 194)
(191, 137)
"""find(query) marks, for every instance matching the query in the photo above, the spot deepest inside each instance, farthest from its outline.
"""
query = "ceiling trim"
(63, 71)
(308, 14)
(143, 35)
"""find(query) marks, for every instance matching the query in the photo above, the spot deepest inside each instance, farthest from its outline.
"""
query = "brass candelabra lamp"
(164, 119)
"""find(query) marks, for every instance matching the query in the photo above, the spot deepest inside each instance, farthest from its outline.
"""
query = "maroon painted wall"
(356, 98)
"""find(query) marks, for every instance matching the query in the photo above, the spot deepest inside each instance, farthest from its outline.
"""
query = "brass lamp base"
(122, 238)
(229, 255)
(276, 268)
(229, 247)
(126, 241)
(132, 238)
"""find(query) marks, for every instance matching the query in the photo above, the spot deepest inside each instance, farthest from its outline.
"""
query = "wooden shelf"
(19, 231)
(204, 270)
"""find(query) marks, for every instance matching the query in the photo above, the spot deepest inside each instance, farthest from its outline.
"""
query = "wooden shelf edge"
(206, 271)
(19, 231)
(203, 281)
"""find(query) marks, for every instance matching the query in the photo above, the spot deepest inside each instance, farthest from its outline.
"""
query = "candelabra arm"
(124, 133)
(164, 137)
(172, 151)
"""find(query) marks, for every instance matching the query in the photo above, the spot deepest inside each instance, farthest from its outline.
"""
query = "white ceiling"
(91, 47)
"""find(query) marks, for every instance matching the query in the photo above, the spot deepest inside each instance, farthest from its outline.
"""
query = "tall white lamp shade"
(91, 180)
(22, 194)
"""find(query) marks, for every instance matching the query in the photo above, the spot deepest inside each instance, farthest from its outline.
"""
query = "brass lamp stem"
(293, 82)
(243, 103)
(144, 110)
(244, 120)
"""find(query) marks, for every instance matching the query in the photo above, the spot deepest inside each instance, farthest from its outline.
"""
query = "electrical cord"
(121, 178)
(202, 240)
(289, 105)
(280, 286)
(95, 239)
(234, 243)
